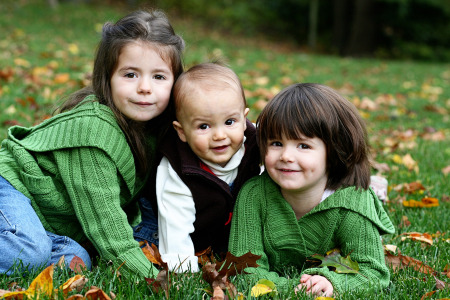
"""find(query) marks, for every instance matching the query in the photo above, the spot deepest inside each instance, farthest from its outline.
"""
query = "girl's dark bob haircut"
(314, 110)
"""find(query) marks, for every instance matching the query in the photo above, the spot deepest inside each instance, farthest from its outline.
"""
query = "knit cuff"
(137, 263)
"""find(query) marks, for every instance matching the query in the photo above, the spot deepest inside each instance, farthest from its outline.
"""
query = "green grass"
(412, 100)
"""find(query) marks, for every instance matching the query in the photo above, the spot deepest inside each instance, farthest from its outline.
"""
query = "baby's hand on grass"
(315, 284)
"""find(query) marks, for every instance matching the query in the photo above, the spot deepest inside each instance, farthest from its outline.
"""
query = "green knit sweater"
(79, 173)
(265, 224)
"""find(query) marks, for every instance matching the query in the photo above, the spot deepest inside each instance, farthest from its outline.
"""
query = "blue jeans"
(24, 242)
(147, 230)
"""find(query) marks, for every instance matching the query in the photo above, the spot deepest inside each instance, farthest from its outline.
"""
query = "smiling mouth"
(288, 170)
(143, 103)
(220, 148)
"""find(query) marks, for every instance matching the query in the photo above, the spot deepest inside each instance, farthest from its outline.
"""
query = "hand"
(315, 284)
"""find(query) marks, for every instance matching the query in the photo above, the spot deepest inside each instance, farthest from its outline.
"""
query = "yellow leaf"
(424, 202)
(260, 289)
(391, 248)
(77, 282)
(22, 62)
(73, 49)
(324, 298)
(41, 285)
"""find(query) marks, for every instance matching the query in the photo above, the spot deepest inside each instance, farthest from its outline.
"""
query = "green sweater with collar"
(352, 220)
(78, 170)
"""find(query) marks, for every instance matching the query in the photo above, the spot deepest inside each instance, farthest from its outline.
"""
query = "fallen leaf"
(263, 287)
(96, 293)
(390, 248)
(76, 282)
(338, 263)
(446, 170)
(417, 236)
(427, 295)
(402, 261)
(441, 285)
(424, 202)
(77, 264)
(41, 285)
(404, 222)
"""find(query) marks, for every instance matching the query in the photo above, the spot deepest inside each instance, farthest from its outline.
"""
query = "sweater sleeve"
(247, 234)
(93, 185)
(176, 216)
(358, 237)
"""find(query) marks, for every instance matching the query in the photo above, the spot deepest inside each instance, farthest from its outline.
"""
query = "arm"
(95, 191)
(176, 216)
(359, 237)
(247, 234)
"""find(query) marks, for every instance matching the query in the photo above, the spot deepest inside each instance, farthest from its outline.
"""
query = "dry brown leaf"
(404, 222)
(427, 295)
(441, 285)
(96, 293)
(446, 170)
(402, 261)
(417, 236)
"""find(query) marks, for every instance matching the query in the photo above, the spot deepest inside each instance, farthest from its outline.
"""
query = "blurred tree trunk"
(354, 27)
(341, 23)
(313, 17)
(362, 32)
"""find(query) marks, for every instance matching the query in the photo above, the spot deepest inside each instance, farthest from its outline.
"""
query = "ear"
(245, 117)
(179, 130)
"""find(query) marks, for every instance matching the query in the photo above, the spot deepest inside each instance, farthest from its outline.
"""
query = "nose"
(144, 86)
(219, 133)
(286, 155)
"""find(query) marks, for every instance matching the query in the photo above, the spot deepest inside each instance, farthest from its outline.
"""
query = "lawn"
(46, 54)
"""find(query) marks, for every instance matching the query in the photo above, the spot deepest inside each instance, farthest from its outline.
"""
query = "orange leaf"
(77, 264)
(41, 285)
(96, 293)
(61, 78)
(417, 236)
(75, 283)
(424, 202)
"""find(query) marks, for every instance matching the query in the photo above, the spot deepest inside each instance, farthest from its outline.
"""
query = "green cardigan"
(79, 173)
(265, 224)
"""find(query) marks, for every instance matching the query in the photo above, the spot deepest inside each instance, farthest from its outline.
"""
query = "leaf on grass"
(417, 236)
(390, 248)
(324, 298)
(402, 261)
(153, 255)
(427, 295)
(205, 256)
(263, 287)
(42, 285)
(411, 187)
(340, 264)
(446, 170)
(233, 265)
(162, 279)
(96, 293)
(77, 264)
(404, 222)
(77, 283)
(441, 285)
(216, 274)
(424, 202)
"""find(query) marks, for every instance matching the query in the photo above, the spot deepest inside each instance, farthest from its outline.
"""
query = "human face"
(141, 83)
(212, 122)
(297, 166)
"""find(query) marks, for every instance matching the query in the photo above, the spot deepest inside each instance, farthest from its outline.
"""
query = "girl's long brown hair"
(154, 28)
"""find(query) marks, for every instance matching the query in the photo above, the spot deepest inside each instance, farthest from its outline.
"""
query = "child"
(314, 195)
(72, 178)
(202, 171)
